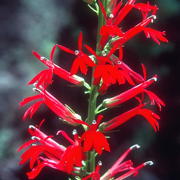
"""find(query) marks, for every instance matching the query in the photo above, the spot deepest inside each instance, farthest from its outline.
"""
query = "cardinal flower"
(106, 72)
(44, 78)
(44, 151)
(56, 106)
(146, 8)
(119, 99)
(94, 139)
(139, 110)
(82, 61)
(124, 166)
(73, 155)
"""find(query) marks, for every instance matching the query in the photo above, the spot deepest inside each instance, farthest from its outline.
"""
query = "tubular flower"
(82, 61)
(146, 9)
(139, 110)
(94, 139)
(56, 106)
(73, 155)
(119, 99)
(111, 29)
(120, 166)
(107, 72)
(43, 152)
(120, 64)
(44, 78)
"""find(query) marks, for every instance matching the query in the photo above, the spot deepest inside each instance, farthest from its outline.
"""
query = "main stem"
(93, 96)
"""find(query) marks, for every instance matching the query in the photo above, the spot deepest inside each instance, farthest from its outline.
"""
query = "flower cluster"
(79, 158)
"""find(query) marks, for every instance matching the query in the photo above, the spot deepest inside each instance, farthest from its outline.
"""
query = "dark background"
(28, 25)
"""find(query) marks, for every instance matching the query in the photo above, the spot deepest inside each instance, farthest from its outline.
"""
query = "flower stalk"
(78, 158)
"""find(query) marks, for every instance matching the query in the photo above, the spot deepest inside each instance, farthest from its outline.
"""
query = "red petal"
(29, 99)
(66, 49)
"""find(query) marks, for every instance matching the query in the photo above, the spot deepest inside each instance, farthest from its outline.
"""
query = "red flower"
(82, 61)
(56, 106)
(73, 155)
(119, 99)
(44, 78)
(120, 64)
(106, 72)
(120, 166)
(42, 146)
(139, 110)
(157, 36)
(116, 15)
(146, 9)
(94, 139)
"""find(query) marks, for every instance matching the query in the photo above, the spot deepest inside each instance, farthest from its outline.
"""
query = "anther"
(32, 127)
(154, 78)
(119, 62)
(94, 122)
(153, 17)
(36, 90)
(33, 144)
(35, 138)
(74, 132)
(150, 163)
(136, 146)
(100, 163)
(76, 52)
(103, 53)
(42, 58)
(111, 16)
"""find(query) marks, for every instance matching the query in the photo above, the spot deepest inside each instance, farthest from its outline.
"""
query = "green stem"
(93, 95)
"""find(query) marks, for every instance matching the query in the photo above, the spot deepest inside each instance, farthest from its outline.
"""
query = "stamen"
(150, 163)
(74, 132)
(136, 146)
(76, 52)
(119, 62)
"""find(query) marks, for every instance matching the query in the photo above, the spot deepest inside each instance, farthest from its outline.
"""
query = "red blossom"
(73, 155)
(41, 145)
(140, 88)
(94, 139)
(44, 78)
(157, 36)
(56, 106)
(127, 166)
(107, 72)
(46, 152)
(82, 61)
(139, 110)
(146, 9)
